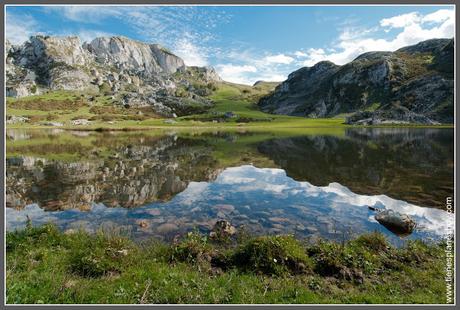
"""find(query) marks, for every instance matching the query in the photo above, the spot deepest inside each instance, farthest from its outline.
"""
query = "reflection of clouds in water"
(193, 192)
(250, 178)
(18, 218)
(256, 194)
(333, 195)
(427, 218)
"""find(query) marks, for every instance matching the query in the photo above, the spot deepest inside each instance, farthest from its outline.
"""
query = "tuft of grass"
(375, 242)
(194, 249)
(273, 255)
(102, 255)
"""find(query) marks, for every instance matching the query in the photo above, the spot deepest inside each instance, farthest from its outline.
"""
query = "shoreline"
(76, 267)
(255, 127)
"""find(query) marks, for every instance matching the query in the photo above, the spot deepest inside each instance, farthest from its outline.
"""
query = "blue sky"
(244, 43)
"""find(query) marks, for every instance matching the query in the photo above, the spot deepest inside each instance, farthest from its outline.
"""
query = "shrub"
(211, 86)
(375, 242)
(131, 88)
(181, 92)
(362, 255)
(51, 117)
(272, 255)
(105, 89)
(78, 117)
(327, 257)
(99, 255)
(416, 251)
(46, 235)
(193, 249)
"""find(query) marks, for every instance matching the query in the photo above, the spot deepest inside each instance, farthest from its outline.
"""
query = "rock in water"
(397, 223)
(222, 229)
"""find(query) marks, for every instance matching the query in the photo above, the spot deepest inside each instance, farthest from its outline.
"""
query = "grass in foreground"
(47, 266)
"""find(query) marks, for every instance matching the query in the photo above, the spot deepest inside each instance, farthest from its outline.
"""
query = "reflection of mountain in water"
(415, 165)
(65, 170)
(148, 170)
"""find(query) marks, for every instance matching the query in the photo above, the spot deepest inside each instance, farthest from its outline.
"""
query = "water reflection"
(264, 201)
(130, 175)
(414, 165)
(177, 182)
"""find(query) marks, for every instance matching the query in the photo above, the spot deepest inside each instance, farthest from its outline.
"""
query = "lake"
(314, 184)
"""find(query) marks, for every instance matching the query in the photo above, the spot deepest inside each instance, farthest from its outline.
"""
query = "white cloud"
(232, 69)
(300, 54)
(271, 76)
(235, 73)
(192, 54)
(314, 55)
(401, 21)
(247, 67)
(86, 14)
(414, 28)
(278, 59)
(439, 16)
(20, 28)
(250, 66)
(413, 18)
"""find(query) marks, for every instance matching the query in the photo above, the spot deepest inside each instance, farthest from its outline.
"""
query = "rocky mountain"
(413, 84)
(135, 73)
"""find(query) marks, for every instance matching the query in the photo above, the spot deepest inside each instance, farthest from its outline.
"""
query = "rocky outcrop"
(395, 116)
(134, 73)
(48, 63)
(207, 74)
(44, 51)
(300, 85)
(133, 56)
(413, 84)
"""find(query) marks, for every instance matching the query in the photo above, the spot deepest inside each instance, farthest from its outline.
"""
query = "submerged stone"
(397, 223)
(222, 229)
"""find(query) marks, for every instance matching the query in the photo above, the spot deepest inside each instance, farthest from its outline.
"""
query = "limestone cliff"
(135, 73)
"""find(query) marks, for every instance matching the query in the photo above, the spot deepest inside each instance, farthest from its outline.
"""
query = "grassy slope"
(235, 98)
(228, 97)
(46, 266)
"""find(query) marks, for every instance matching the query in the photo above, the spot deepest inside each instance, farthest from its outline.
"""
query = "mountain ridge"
(135, 73)
(411, 85)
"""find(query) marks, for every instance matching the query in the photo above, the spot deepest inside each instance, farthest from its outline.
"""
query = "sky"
(244, 43)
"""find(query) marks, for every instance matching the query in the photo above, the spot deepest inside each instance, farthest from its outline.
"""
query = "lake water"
(161, 184)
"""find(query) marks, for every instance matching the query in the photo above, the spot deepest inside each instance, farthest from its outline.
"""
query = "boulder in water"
(222, 229)
(397, 223)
